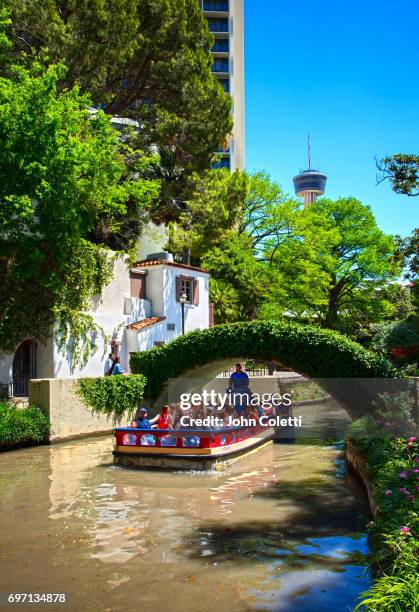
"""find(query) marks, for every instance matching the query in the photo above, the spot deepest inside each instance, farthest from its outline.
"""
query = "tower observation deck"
(310, 183)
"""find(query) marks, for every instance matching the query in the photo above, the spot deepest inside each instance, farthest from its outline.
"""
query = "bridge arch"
(309, 350)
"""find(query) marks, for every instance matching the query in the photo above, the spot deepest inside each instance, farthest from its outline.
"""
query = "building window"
(224, 162)
(218, 25)
(186, 289)
(190, 287)
(225, 84)
(138, 282)
(216, 5)
(221, 45)
(220, 65)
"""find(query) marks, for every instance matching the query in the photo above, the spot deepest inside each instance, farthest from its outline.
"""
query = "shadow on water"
(314, 543)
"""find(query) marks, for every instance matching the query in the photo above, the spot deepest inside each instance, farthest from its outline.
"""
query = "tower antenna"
(309, 151)
(309, 184)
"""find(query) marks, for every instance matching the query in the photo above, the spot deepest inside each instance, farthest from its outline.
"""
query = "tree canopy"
(62, 172)
(146, 59)
(334, 263)
(402, 170)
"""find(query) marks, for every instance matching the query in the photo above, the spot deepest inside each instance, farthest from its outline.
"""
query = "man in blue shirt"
(142, 421)
(239, 389)
(239, 379)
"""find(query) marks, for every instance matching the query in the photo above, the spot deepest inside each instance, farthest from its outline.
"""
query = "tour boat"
(186, 449)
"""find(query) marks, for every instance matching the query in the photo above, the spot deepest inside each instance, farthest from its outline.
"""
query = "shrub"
(111, 395)
(22, 426)
(315, 352)
(306, 391)
(392, 464)
(394, 334)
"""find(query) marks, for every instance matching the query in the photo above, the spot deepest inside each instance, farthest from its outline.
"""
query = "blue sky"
(348, 73)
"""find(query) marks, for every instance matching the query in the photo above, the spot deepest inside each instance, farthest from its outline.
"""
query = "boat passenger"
(142, 422)
(162, 420)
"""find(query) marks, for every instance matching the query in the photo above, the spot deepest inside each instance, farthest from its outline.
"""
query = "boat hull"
(198, 459)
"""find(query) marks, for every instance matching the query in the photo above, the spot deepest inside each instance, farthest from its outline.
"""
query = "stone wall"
(68, 416)
(359, 465)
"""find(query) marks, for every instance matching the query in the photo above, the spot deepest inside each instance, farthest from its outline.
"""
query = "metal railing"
(255, 372)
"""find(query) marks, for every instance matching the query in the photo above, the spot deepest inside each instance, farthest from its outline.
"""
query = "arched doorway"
(24, 367)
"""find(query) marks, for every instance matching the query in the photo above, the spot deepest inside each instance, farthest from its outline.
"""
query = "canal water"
(283, 529)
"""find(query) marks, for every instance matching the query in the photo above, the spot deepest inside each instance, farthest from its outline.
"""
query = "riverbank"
(389, 469)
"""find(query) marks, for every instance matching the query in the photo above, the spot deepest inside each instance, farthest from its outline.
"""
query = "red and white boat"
(199, 449)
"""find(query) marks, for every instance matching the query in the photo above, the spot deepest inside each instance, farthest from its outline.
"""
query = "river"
(283, 529)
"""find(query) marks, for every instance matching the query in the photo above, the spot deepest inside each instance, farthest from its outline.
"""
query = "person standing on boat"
(239, 389)
(162, 420)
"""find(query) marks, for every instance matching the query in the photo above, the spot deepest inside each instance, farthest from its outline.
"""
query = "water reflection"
(281, 530)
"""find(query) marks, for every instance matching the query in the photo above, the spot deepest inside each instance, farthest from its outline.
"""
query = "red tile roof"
(144, 323)
(147, 263)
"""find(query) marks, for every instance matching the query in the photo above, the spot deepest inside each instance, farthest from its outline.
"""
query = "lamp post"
(183, 299)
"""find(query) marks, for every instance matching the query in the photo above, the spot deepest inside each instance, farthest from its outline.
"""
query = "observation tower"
(310, 183)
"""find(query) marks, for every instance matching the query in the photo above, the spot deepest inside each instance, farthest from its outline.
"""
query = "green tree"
(333, 266)
(402, 170)
(211, 208)
(232, 261)
(61, 172)
(226, 301)
(266, 214)
(146, 59)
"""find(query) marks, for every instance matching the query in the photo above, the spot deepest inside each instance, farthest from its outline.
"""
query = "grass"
(29, 425)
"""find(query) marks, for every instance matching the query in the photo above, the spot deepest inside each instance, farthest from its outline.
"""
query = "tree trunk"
(186, 256)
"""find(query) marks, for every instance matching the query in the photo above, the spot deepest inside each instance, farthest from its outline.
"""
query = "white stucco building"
(139, 309)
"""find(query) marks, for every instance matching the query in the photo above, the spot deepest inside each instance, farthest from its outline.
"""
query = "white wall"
(196, 317)
(108, 312)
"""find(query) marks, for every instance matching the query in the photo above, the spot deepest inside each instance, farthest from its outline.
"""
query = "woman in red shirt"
(162, 420)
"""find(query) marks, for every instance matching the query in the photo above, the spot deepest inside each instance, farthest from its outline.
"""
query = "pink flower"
(413, 439)
(403, 490)
(403, 475)
(410, 498)
(405, 530)
(388, 492)
(416, 471)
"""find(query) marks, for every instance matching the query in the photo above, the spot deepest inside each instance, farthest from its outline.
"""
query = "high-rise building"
(226, 22)
(310, 184)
